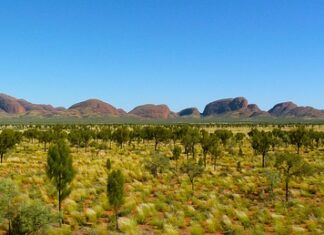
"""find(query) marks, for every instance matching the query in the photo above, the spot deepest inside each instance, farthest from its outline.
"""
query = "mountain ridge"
(237, 107)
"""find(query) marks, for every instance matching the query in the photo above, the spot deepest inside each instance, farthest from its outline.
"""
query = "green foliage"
(160, 134)
(299, 137)
(45, 137)
(8, 139)
(108, 164)
(190, 137)
(60, 169)
(115, 191)
(31, 218)
(176, 152)
(193, 170)
(272, 180)
(157, 163)
(224, 135)
(159, 198)
(292, 165)
(215, 152)
(261, 142)
(121, 135)
(8, 200)
(197, 230)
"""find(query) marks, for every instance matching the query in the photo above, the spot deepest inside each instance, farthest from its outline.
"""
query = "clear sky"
(179, 52)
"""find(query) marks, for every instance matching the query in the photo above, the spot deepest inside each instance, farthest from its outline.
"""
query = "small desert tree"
(261, 142)
(176, 152)
(224, 135)
(299, 137)
(45, 137)
(160, 134)
(8, 139)
(157, 164)
(291, 165)
(60, 170)
(8, 201)
(115, 191)
(215, 152)
(121, 135)
(193, 170)
(206, 142)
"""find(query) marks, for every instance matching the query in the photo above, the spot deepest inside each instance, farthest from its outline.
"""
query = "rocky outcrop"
(289, 109)
(94, 107)
(189, 112)
(235, 107)
(224, 108)
(11, 105)
(282, 109)
(152, 111)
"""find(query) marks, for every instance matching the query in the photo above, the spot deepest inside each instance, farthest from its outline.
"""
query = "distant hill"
(289, 109)
(15, 106)
(190, 112)
(94, 107)
(231, 108)
(152, 111)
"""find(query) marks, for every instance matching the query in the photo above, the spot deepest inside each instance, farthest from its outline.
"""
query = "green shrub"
(144, 210)
(196, 230)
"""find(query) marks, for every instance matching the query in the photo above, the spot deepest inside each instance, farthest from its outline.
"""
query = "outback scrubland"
(162, 179)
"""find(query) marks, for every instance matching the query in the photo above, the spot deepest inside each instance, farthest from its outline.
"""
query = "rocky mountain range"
(238, 107)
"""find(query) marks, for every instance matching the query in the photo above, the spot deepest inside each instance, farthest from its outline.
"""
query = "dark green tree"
(160, 134)
(176, 152)
(74, 137)
(298, 137)
(108, 164)
(31, 134)
(60, 170)
(115, 191)
(224, 135)
(45, 137)
(8, 139)
(206, 142)
(190, 138)
(121, 135)
(215, 152)
(261, 142)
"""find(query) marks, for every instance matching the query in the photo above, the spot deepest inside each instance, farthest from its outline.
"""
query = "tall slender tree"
(115, 191)
(60, 170)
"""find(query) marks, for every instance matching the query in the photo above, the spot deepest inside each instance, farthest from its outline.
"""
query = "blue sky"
(179, 52)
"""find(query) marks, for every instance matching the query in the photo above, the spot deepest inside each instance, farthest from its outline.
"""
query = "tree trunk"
(192, 186)
(155, 146)
(60, 206)
(9, 229)
(263, 155)
(116, 217)
(205, 159)
(287, 191)
(1, 157)
(193, 152)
